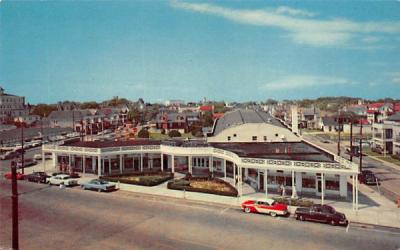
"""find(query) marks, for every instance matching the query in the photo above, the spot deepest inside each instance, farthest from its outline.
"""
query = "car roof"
(270, 201)
(62, 175)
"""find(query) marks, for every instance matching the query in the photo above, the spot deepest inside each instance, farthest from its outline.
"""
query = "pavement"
(374, 209)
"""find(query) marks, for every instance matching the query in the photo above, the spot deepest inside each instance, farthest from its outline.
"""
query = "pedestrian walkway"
(373, 208)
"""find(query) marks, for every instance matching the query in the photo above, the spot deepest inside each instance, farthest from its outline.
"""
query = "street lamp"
(21, 123)
(14, 199)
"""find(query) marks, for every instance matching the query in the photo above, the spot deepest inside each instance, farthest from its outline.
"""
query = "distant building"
(386, 135)
(11, 106)
(176, 121)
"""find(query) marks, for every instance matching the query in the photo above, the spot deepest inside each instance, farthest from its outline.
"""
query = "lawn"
(388, 158)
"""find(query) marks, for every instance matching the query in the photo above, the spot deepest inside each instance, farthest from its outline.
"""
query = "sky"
(222, 50)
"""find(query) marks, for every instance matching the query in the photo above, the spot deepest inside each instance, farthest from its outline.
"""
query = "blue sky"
(222, 50)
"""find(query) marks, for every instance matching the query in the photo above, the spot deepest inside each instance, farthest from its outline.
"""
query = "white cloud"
(371, 39)
(315, 32)
(304, 81)
(293, 12)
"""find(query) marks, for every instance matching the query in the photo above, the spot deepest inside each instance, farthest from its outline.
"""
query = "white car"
(62, 179)
(48, 156)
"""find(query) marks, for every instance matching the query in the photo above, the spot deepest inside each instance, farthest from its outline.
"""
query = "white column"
(54, 159)
(210, 164)
(266, 182)
(246, 173)
(109, 165)
(356, 192)
(93, 163)
(240, 180)
(234, 173)
(299, 181)
(151, 161)
(224, 162)
(162, 162)
(322, 188)
(69, 160)
(141, 162)
(133, 162)
(343, 185)
(190, 163)
(99, 166)
(173, 163)
(83, 164)
(120, 164)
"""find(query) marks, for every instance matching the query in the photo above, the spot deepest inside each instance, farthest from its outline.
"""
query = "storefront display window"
(308, 182)
(332, 185)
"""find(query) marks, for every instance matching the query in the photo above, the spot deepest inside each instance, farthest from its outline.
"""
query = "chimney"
(295, 120)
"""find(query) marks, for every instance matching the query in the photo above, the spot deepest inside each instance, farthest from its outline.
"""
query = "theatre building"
(246, 145)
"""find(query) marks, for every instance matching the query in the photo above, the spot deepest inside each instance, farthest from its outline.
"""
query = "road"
(54, 218)
(389, 177)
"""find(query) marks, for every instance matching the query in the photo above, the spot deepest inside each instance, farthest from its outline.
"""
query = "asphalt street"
(54, 218)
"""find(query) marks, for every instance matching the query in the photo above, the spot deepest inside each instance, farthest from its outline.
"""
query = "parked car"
(368, 177)
(37, 177)
(62, 179)
(265, 206)
(99, 185)
(9, 176)
(27, 163)
(72, 175)
(321, 213)
(47, 155)
(9, 155)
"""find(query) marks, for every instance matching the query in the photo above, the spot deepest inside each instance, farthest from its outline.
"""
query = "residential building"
(386, 135)
(175, 121)
(11, 106)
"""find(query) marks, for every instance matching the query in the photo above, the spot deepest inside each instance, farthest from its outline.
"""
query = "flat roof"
(110, 144)
(295, 151)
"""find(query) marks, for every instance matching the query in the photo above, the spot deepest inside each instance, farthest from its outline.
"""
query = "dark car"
(368, 177)
(37, 177)
(321, 213)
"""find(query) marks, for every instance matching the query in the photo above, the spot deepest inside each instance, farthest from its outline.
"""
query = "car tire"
(83, 187)
(247, 210)
(273, 214)
(301, 217)
(333, 223)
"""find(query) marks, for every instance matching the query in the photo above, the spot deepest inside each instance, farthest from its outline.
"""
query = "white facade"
(254, 132)
(10, 106)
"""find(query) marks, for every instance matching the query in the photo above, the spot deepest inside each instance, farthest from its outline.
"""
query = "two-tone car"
(99, 185)
(265, 206)
(62, 179)
(321, 213)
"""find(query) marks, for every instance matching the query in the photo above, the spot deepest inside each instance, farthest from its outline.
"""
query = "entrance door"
(318, 184)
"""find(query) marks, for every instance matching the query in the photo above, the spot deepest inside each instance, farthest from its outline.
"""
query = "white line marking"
(224, 210)
(347, 228)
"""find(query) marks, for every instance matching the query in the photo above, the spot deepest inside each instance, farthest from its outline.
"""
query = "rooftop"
(242, 116)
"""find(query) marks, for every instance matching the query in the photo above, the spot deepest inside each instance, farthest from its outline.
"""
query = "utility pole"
(338, 145)
(361, 127)
(14, 199)
(22, 146)
(351, 140)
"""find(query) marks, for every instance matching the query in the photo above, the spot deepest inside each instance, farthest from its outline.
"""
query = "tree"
(43, 110)
(207, 119)
(174, 133)
(143, 133)
(135, 115)
(90, 105)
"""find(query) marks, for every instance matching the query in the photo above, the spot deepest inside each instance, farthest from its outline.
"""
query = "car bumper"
(343, 222)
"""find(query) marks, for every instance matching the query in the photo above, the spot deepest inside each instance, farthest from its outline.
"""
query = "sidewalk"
(373, 208)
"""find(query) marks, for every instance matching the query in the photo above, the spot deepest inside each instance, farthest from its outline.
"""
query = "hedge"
(294, 202)
(145, 179)
(184, 184)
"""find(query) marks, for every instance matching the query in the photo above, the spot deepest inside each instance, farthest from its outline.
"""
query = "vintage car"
(9, 176)
(368, 177)
(99, 185)
(41, 177)
(27, 163)
(62, 179)
(321, 213)
(265, 206)
(9, 155)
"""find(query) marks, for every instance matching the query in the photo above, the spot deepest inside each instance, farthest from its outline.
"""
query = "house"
(79, 120)
(329, 124)
(11, 106)
(175, 121)
(386, 135)
(206, 108)
(27, 119)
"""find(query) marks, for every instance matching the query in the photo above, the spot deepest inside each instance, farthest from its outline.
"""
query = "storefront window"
(308, 182)
(271, 180)
(288, 180)
(332, 185)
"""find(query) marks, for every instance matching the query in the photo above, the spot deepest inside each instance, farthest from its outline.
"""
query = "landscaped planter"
(294, 202)
(204, 185)
(144, 179)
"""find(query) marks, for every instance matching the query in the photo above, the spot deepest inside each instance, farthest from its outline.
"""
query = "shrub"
(143, 179)
(174, 133)
(294, 202)
(143, 134)
(396, 156)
